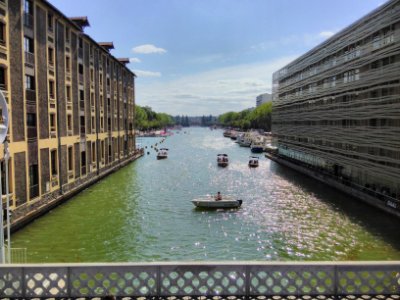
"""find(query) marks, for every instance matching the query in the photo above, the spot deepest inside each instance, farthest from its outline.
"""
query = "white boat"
(244, 140)
(222, 160)
(253, 161)
(210, 203)
(257, 147)
(162, 153)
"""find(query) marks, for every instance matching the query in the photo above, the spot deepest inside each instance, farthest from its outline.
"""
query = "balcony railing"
(30, 95)
(28, 20)
(29, 58)
(32, 133)
(80, 78)
(247, 280)
(34, 191)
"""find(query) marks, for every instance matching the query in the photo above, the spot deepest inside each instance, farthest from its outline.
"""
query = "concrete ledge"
(360, 195)
(44, 206)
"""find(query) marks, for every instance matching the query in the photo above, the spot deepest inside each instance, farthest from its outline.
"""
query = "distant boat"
(244, 140)
(253, 161)
(234, 135)
(222, 160)
(162, 153)
(210, 203)
(227, 133)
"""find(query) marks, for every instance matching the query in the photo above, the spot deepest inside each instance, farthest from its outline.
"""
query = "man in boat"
(218, 196)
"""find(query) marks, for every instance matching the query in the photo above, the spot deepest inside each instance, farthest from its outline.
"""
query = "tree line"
(259, 118)
(146, 119)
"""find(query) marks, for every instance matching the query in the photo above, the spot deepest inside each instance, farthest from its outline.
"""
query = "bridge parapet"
(208, 279)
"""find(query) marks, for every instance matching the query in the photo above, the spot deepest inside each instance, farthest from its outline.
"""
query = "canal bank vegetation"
(147, 119)
(258, 118)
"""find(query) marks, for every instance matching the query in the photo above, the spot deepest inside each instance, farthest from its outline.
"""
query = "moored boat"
(227, 133)
(162, 153)
(222, 160)
(257, 147)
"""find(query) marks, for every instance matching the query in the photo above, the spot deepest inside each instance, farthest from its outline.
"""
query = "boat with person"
(222, 160)
(162, 153)
(253, 161)
(209, 202)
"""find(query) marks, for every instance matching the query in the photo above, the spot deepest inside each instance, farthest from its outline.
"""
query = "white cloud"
(147, 49)
(134, 60)
(217, 91)
(142, 73)
(308, 40)
(326, 34)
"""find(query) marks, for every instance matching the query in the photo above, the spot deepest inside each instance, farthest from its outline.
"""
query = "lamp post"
(3, 135)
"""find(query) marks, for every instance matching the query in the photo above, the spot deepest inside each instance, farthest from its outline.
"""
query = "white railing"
(233, 280)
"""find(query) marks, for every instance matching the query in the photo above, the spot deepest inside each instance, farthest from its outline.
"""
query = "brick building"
(336, 109)
(71, 104)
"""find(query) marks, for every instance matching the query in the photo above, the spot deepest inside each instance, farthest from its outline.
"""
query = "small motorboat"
(162, 153)
(209, 202)
(222, 160)
(253, 161)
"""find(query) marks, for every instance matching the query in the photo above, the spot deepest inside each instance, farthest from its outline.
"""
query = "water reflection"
(144, 213)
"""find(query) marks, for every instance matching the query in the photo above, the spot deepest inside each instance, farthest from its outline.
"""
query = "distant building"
(263, 98)
(71, 104)
(336, 109)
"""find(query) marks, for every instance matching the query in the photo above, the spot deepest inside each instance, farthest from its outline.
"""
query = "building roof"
(81, 22)
(107, 45)
(124, 60)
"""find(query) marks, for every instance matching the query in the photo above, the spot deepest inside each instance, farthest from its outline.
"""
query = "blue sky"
(200, 57)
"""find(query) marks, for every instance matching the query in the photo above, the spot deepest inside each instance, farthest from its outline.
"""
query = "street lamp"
(3, 136)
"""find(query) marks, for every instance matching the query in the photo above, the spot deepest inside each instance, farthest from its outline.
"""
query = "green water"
(143, 213)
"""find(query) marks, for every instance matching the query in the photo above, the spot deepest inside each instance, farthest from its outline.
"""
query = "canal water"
(143, 213)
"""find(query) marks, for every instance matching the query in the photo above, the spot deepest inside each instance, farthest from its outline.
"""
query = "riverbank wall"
(386, 204)
(27, 213)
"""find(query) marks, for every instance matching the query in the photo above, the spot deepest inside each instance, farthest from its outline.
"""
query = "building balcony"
(80, 78)
(34, 191)
(28, 20)
(29, 58)
(30, 95)
(32, 133)
(70, 132)
(53, 133)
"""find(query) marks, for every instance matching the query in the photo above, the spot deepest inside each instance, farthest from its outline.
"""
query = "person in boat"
(218, 196)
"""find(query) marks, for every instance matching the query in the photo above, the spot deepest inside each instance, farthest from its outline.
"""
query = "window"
(68, 93)
(52, 122)
(29, 82)
(28, 45)
(80, 43)
(67, 35)
(31, 120)
(50, 25)
(93, 124)
(3, 81)
(2, 33)
(68, 64)
(80, 69)
(53, 157)
(51, 89)
(28, 8)
(93, 152)
(69, 122)
(70, 159)
(50, 53)
(81, 95)
(34, 181)
(102, 150)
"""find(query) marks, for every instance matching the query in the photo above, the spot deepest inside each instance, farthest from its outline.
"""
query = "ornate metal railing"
(226, 280)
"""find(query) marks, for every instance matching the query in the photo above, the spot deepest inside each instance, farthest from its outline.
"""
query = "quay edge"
(26, 214)
(332, 182)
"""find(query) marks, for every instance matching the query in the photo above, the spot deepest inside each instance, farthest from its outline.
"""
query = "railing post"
(247, 282)
(23, 283)
(336, 282)
(69, 283)
(158, 282)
